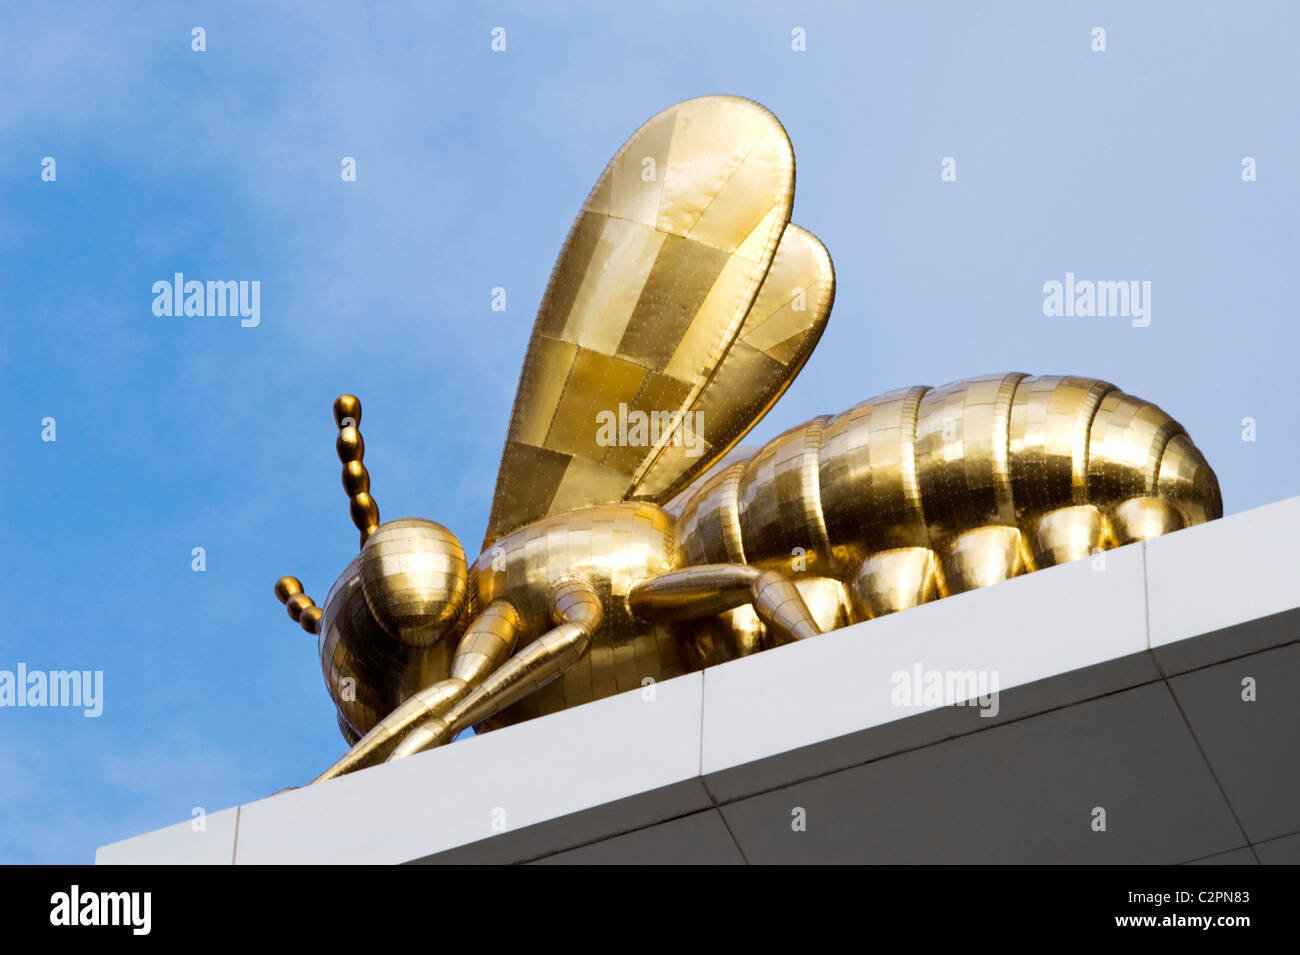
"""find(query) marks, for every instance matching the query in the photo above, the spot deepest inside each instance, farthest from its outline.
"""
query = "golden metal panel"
(611, 547)
(738, 207)
(582, 247)
(596, 383)
(980, 557)
(413, 576)
(1142, 518)
(708, 531)
(545, 468)
(674, 293)
(700, 348)
(1066, 534)
(657, 391)
(870, 493)
(827, 599)
(893, 580)
(367, 672)
(1051, 418)
(1187, 481)
(671, 297)
(723, 637)
(636, 175)
(962, 456)
(779, 333)
(1126, 441)
(780, 502)
(728, 132)
(554, 359)
(607, 297)
(584, 479)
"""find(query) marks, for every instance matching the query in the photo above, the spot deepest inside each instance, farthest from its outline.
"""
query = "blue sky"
(181, 432)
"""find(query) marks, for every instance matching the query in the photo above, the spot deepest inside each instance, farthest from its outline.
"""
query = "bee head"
(413, 571)
(414, 577)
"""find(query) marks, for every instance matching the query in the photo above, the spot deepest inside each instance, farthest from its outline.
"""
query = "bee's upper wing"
(778, 335)
(648, 295)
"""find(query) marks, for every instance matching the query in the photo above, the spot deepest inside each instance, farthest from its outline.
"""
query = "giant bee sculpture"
(682, 306)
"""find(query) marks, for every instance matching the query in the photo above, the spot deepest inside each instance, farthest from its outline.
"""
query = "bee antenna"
(301, 607)
(356, 479)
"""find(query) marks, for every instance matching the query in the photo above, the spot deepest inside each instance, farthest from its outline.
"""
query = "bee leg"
(895, 579)
(707, 589)
(1066, 534)
(577, 612)
(980, 557)
(486, 643)
(1142, 518)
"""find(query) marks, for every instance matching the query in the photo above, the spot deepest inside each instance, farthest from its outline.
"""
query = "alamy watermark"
(130, 909)
(1088, 299)
(641, 429)
(211, 299)
(62, 688)
(919, 687)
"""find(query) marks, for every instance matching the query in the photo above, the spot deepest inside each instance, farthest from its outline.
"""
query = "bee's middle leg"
(691, 593)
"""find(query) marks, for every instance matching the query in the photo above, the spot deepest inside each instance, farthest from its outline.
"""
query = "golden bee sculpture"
(682, 306)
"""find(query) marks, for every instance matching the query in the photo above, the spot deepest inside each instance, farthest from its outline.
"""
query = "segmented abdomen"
(917, 466)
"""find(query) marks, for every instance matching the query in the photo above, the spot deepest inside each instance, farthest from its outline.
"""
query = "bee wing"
(648, 295)
(778, 335)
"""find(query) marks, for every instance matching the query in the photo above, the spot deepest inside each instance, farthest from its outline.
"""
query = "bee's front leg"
(486, 643)
(701, 591)
(577, 611)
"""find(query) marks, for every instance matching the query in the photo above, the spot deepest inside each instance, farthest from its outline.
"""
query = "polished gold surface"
(925, 492)
(611, 547)
(414, 576)
(647, 298)
(962, 455)
(827, 599)
(356, 479)
(723, 637)
(917, 467)
(287, 587)
(695, 592)
(1187, 482)
(349, 734)
(682, 292)
(980, 557)
(1048, 439)
(1066, 534)
(485, 646)
(779, 503)
(896, 579)
(867, 474)
(301, 607)
(1142, 518)
(776, 339)
(368, 672)
(708, 530)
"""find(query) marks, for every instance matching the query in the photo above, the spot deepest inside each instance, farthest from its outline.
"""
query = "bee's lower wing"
(647, 297)
(778, 335)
